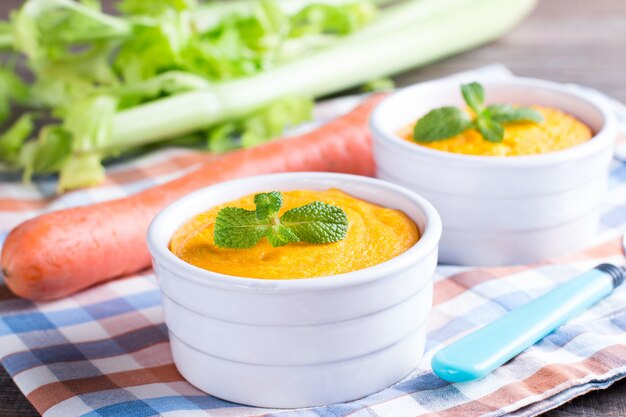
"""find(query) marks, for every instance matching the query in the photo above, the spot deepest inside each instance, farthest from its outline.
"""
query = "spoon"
(479, 353)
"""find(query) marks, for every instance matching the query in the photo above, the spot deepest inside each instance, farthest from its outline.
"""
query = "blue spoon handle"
(482, 351)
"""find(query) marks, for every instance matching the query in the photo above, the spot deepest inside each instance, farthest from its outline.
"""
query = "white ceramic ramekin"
(501, 210)
(297, 343)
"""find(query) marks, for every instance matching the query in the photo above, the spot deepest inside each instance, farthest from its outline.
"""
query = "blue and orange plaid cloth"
(105, 352)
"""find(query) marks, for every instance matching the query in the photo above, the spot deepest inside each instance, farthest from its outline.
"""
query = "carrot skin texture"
(62, 252)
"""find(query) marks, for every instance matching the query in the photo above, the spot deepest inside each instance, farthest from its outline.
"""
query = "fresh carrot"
(63, 252)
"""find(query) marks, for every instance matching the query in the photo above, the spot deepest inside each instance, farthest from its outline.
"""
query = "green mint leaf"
(268, 204)
(491, 130)
(474, 96)
(239, 228)
(505, 113)
(447, 122)
(317, 222)
(442, 123)
(313, 223)
(280, 235)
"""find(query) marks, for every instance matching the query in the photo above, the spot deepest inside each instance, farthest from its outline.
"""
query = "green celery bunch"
(88, 66)
(219, 75)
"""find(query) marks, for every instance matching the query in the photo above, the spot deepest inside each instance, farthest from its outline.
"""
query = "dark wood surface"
(577, 41)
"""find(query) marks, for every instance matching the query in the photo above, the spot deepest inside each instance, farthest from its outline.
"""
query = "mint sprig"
(315, 222)
(440, 124)
(447, 122)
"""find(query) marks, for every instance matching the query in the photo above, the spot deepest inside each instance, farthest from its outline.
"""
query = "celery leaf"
(12, 140)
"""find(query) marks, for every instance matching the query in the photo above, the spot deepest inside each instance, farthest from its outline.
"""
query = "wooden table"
(563, 40)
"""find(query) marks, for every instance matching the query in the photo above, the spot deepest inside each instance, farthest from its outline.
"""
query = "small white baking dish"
(305, 342)
(501, 210)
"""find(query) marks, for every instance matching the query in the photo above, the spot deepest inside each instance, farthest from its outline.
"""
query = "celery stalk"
(351, 62)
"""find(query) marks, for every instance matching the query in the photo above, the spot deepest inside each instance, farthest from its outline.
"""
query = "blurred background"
(84, 65)
(577, 41)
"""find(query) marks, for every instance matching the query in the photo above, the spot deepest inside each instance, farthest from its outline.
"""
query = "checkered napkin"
(105, 351)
